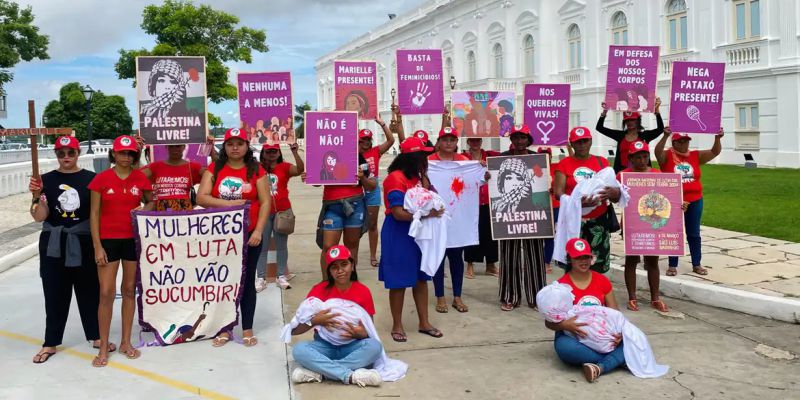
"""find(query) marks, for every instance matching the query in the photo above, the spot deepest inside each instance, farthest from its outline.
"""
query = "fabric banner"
(459, 184)
(171, 94)
(420, 86)
(653, 220)
(356, 87)
(546, 113)
(190, 271)
(265, 106)
(519, 197)
(192, 152)
(695, 104)
(331, 147)
(483, 114)
(632, 77)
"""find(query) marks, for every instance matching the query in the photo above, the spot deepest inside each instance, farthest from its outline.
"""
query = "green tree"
(109, 114)
(300, 119)
(19, 39)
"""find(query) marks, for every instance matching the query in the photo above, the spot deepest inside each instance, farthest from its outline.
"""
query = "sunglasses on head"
(66, 153)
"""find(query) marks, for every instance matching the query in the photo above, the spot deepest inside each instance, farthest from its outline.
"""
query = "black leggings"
(248, 304)
(58, 282)
(486, 247)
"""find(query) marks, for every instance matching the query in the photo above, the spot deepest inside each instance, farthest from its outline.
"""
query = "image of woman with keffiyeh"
(166, 86)
(515, 184)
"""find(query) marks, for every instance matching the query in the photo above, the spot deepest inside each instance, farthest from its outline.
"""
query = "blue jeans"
(549, 244)
(336, 220)
(455, 258)
(281, 248)
(337, 362)
(573, 352)
(691, 219)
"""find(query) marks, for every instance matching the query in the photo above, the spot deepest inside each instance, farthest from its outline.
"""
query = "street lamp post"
(88, 92)
(43, 138)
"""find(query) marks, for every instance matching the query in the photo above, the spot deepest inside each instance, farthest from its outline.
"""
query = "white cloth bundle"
(430, 234)
(349, 312)
(602, 323)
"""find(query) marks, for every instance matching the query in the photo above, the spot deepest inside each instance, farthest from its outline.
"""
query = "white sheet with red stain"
(459, 184)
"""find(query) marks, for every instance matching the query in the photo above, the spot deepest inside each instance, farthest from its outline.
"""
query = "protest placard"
(356, 87)
(632, 77)
(652, 222)
(420, 86)
(696, 97)
(483, 114)
(265, 106)
(519, 197)
(192, 152)
(546, 112)
(331, 147)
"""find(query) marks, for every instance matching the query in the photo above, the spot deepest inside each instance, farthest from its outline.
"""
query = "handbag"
(284, 222)
(610, 218)
(192, 192)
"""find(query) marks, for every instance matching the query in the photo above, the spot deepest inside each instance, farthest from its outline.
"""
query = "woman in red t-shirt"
(174, 178)
(486, 249)
(115, 193)
(372, 154)
(632, 130)
(278, 173)
(680, 159)
(235, 179)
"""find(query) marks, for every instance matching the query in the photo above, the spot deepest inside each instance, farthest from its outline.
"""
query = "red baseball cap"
(336, 253)
(267, 146)
(630, 115)
(125, 143)
(542, 150)
(637, 147)
(365, 133)
(523, 129)
(236, 133)
(579, 133)
(577, 247)
(680, 136)
(422, 135)
(67, 141)
(414, 144)
(448, 131)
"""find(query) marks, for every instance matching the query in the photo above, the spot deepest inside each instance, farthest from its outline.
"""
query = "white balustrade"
(14, 177)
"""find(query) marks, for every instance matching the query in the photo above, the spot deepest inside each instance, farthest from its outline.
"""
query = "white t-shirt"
(459, 183)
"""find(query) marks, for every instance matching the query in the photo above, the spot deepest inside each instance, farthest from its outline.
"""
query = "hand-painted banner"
(632, 77)
(519, 197)
(191, 152)
(695, 103)
(420, 86)
(459, 184)
(265, 106)
(356, 87)
(483, 114)
(171, 93)
(653, 220)
(190, 273)
(546, 113)
(331, 147)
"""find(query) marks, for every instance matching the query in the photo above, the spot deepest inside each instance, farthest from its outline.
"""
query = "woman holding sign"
(681, 160)
(174, 178)
(115, 193)
(234, 180)
(373, 197)
(632, 131)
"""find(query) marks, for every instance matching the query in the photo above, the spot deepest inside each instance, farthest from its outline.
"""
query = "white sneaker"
(302, 375)
(261, 284)
(283, 282)
(366, 377)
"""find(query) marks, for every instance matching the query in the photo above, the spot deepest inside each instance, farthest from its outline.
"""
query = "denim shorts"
(373, 198)
(335, 220)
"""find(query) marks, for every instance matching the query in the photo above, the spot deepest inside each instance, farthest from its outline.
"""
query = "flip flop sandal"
(632, 305)
(672, 271)
(507, 307)
(433, 332)
(399, 337)
(373, 262)
(660, 306)
(494, 273)
(469, 275)
(700, 270)
(591, 372)
(111, 347)
(99, 362)
(43, 356)
(441, 308)
(250, 341)
(131, 354)
(220, 341)
(462, 308)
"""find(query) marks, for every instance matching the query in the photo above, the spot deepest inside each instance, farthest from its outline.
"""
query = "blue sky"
(85, 36)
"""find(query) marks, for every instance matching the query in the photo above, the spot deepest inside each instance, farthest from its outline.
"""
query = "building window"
(575, 119)
(575, 46)
(619, 29)
(448, 68)
(677, 25)
(471, 64)
(497, 52)
(747, 19)
(747, 117)
(527, 52)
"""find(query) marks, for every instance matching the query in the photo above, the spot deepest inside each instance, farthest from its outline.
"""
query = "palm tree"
(299, 118)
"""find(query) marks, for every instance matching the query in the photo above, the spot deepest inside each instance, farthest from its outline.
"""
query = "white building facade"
(502, 45)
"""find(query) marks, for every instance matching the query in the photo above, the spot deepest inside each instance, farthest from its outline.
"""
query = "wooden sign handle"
(34, 144)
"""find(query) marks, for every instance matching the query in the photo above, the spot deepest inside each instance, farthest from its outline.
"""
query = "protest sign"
(653, 220)
(459, 185)
(171, 93)
(519, 197)
(331, 147)
(265, 106)
(546, 113)
(420, 86)
(483, 114)
(356, 87)
(631, 79)
(190, 272)
(192, 152)
(696, 97)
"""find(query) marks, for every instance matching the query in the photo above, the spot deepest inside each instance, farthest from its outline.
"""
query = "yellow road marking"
(208, 394)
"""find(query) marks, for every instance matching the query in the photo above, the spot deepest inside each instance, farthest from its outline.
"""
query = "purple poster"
(420, 86)
(331, 147)
(355, 83)
(191, 152)
(631, 79)
(265, 106)
(695, 104)
(653, 220)
(546, 113)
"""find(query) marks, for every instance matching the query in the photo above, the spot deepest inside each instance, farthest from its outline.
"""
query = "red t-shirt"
(553, 167)
(171, 181)
(232, 184)
(358, 293)
(279, 187)
(576, 171)
(689, 168)
(117, 198)
(373, 157)
(484, 191)
(396, 181)
(338, 192)
(456, 157)
(594, 294)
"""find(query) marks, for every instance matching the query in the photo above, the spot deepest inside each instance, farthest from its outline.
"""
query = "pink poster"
(265, 106)
(695, 104)
(356, 87)
(653, 220)
(631, 80)
(192, 152)
(546, 113)
(420, 86)
(483, 114)
(331, 147)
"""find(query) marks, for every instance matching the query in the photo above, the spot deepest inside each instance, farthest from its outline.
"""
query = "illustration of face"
(512, 181)
(351, 103)
(164, 84)
(330, 161)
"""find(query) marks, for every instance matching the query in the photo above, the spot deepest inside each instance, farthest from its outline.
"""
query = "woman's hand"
(721, 132)
(667, 131)
(140, 143)
(436, 213)
(326, 319)
(589, 201)
(573, 326)
(608, 193)
(617, 340)
(604, 107)
(237, 202)
(35, 185)
(100, 256)
(355, 331)
(658, 105)
(379, 121)
(487, 176)
(255, 238)
(294, 147)
(685, 206)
